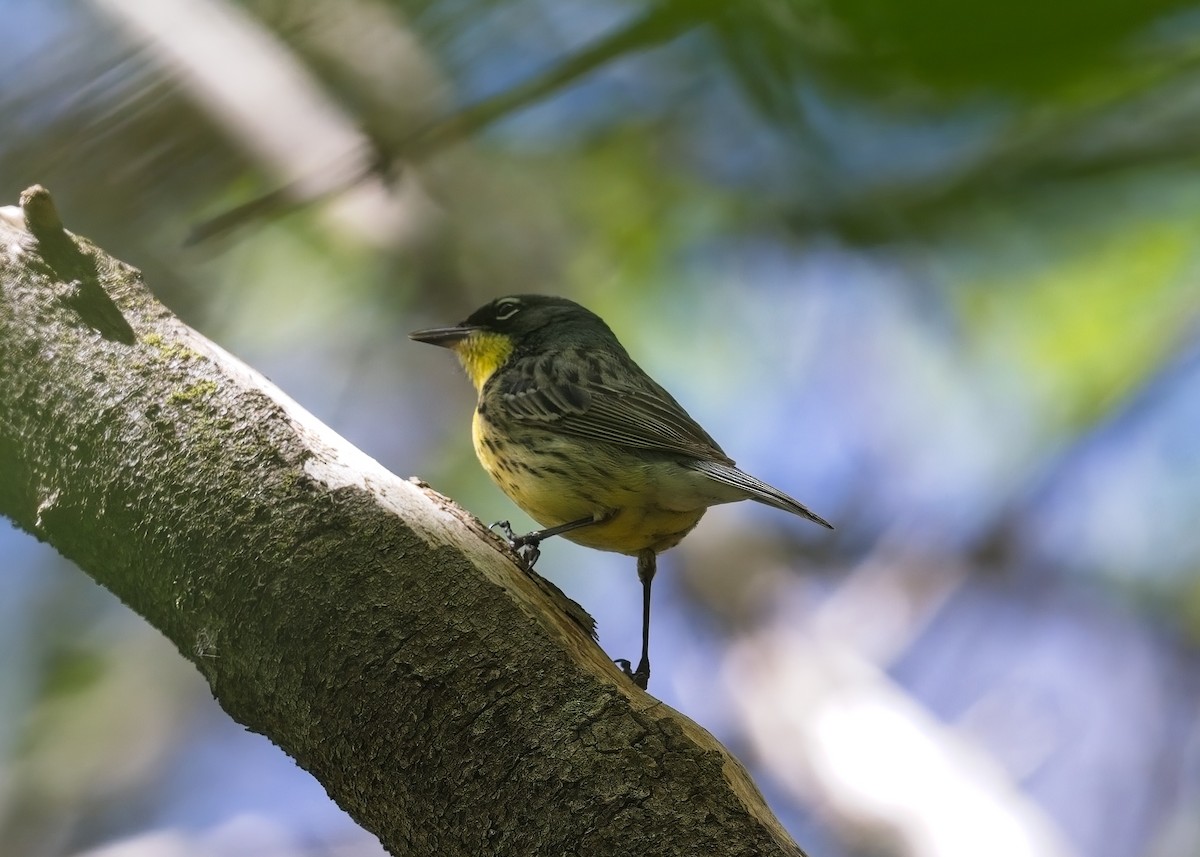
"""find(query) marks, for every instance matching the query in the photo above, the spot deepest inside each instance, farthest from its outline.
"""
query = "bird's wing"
(626, 408)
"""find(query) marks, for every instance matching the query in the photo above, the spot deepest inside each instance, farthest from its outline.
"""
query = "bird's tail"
(755, 489)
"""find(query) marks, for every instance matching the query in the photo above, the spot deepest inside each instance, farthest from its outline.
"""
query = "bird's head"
(517, 324)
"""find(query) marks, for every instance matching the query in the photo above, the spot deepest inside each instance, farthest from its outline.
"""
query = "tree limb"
(659, 24)
(377, 633)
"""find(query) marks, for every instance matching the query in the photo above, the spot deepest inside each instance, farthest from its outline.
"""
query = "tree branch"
(655, 26)
(450, 702)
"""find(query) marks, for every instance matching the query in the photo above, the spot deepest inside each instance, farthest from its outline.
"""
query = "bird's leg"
(526, 546)
(647, 565)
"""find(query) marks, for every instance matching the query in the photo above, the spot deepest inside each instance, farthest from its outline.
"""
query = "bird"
(585, 442)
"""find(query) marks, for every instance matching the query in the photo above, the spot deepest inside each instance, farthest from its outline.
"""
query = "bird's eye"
(506, 308)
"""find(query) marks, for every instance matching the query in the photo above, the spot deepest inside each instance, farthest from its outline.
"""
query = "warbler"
(584, 441)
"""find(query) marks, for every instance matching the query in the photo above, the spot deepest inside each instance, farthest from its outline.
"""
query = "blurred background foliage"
(929, 266)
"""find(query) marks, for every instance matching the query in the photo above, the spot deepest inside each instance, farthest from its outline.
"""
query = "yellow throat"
(481, 354)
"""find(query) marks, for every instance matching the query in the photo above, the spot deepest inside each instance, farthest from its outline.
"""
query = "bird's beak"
(446, 337)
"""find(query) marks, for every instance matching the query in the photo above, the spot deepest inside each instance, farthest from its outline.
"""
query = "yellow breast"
(556, 480)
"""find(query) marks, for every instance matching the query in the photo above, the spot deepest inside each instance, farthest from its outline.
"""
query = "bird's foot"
(640, 676)
(505, 529)
(526, 550)
(525, 547)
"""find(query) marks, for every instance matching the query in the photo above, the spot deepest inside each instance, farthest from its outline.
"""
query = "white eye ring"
(506, 309)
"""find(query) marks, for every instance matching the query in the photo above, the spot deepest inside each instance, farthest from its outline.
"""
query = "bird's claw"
(527, 551)
(640, 676)
(524, 547)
